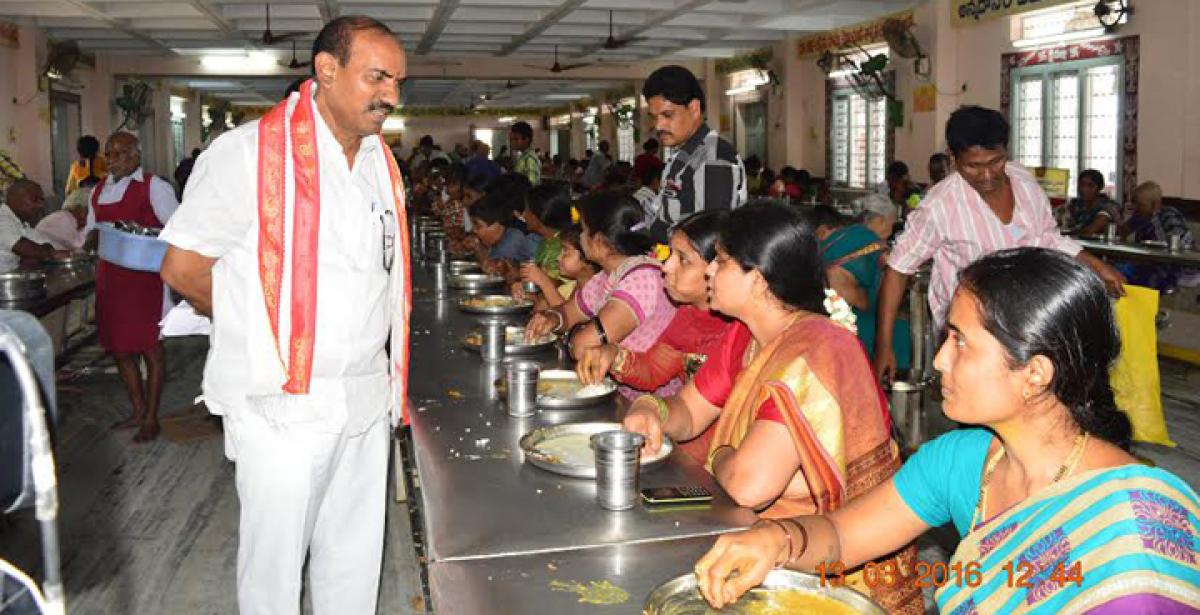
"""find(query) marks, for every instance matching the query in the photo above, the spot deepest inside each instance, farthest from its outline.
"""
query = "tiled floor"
(152, 528)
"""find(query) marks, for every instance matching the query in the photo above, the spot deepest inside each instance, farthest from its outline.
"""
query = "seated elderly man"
(66, 229)
(20, 243)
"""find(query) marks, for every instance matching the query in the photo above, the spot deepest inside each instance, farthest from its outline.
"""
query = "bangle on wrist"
(795, 552)
(660, 405)
(618, 365)
(712, 457)
(786, 552)
(559, 317)
(600, 331)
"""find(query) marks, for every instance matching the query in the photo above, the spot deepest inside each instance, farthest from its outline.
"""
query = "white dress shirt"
(12, 230)
(219, 219)
(162, 196)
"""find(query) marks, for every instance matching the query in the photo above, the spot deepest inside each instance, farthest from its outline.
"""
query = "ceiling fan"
(295, 63)
(270, 38)
(558, 68)
(613, 42)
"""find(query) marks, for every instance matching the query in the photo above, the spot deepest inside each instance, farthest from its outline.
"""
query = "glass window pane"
(1029, 121)
(1101, 123)
(858, 141)
(841, 139)
(1064, 124)
(877, 146)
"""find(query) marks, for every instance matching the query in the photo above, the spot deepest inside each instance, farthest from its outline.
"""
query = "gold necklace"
(1068, 466)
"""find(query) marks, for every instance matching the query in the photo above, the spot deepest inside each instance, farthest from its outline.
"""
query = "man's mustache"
(381, 106)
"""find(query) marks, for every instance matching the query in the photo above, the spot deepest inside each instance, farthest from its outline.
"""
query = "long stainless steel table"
(1141, 252)
(477, 497)
(522, 585)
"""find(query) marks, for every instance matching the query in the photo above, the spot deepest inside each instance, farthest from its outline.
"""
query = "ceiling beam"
(213, 14)
(652, 21)
(117, 24)
(441, 16)
(539, 26)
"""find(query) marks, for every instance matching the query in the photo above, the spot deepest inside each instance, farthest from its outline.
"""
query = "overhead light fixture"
(508, 119)
(251, 61)
(1058, 39)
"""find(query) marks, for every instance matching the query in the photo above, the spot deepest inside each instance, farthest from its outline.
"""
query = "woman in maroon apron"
(129, 303)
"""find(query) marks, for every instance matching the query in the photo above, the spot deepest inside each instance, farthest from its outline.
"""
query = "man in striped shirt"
(987, 205)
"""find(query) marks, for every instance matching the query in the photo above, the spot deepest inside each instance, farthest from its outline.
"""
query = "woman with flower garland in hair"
(801, 426)
(625, 303)
(694, 334)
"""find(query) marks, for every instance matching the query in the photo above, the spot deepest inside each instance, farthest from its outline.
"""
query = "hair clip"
(574, 215)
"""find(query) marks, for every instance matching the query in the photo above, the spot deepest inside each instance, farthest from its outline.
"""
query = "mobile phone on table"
(684, 494)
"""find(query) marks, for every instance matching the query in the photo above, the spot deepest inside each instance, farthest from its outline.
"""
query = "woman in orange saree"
(801, 426)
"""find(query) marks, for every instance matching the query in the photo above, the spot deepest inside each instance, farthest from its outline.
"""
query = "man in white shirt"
(297, 364)
(19, 240)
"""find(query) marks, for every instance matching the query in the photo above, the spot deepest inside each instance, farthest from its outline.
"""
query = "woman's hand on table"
(595, 363)
(541, 324)
(747, 556)
(643, 418)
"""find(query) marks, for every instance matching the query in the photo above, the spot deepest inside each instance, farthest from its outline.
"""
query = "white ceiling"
(451, 93)
(454, 30)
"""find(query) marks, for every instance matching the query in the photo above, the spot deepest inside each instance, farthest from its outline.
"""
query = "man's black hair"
(973, 126)
(336, 36)
(896, 170)
(523, 130)
(674, 83)
(426, 141)
(651, 145)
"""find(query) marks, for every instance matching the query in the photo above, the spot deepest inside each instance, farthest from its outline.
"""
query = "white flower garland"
(840, 311)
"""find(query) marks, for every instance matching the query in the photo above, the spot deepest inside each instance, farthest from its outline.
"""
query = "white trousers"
(310, 492)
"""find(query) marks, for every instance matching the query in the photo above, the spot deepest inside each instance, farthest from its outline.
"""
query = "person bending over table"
(694, 334)
(500, 248)
(20, 242)
(986, 205)
(1041, 490)
(625, 303)
(801, 426)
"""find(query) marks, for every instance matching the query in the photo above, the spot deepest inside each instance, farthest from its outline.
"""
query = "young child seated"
(500, 248)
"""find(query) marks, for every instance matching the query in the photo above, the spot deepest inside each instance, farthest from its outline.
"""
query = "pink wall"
(25, 123)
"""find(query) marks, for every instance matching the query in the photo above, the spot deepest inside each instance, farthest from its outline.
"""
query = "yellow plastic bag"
(1135, 374)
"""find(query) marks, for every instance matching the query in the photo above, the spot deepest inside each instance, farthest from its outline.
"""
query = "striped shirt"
(954, 227)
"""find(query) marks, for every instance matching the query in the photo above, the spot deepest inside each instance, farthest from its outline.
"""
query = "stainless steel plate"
(533, 442)
(680, 596)
(514, 341)
(494, 305)
(21, 285)
(474, 281)
(461, 267)
(566, 397)
(74, 260)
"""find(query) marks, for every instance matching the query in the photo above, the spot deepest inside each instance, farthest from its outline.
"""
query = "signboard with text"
(966, 12)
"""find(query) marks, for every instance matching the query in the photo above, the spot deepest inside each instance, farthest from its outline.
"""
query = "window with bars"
(625, 143)
(859, 139)
(1067, 116)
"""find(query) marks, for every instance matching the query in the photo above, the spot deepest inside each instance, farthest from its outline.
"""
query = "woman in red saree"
(695, 333)
(801, 424)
